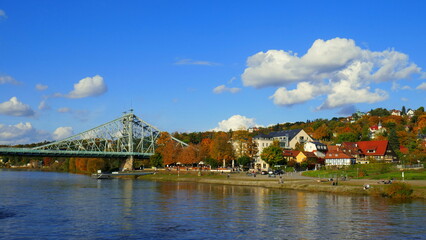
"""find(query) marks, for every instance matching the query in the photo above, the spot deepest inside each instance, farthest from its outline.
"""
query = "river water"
(48, 205)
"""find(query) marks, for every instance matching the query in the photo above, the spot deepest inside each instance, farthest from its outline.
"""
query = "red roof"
(373, 148)
(290, 153)
(337, 155)
(374, 128)
(310, 154)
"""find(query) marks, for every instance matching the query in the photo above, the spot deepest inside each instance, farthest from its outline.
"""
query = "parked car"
(264, 172)
(278, 172)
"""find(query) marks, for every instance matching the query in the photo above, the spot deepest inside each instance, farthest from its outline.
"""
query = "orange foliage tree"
(168, 148)
(189, 155)
(205, 146)
(81, 165)
(95, 164)
(221, 148)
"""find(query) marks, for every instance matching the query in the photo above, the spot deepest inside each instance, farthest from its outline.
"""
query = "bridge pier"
(128, 164)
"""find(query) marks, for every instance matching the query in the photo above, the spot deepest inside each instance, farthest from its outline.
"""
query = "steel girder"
(128, 135)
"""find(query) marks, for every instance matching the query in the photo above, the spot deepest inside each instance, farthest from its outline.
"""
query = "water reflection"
(70, 206)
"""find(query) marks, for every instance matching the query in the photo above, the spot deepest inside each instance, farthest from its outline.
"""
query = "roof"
(337, 155)
(288, 133)
(379, 147)
(290, 153)
(309, 154)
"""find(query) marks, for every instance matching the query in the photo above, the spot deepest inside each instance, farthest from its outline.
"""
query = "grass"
(369, 171)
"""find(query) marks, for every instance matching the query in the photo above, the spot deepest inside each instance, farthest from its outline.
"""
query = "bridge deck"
(65, 153)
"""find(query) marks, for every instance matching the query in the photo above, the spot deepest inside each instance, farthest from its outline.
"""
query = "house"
(410, 113)
(290, 155)
(287, 140)
(319, 149)
(306, 156)
(376, 130)
(338, 158)
(395, 112)
(366, 151)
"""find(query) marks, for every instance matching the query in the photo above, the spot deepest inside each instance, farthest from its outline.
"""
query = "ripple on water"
(4, 213)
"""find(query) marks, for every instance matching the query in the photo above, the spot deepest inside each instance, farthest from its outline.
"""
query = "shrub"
(398, 191)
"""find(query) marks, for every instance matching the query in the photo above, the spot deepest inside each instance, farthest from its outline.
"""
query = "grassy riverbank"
(294, 181)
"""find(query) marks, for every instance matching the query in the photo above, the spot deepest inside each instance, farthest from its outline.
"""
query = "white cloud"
(43, 105)
(8, 79)
(41, 87)
(64, 110)
(304, 92)
(422, 86)
(14, 107)
(235, 122)
(2, 14)
(21, 133)
(223, 88)
(195, 62)
(87, 87)
(62, 132)
(337, 69)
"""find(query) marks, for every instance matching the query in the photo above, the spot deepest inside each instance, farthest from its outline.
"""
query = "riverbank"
(293, 181)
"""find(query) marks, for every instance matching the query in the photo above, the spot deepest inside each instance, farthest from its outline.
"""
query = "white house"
(319, 149)
(287, 139)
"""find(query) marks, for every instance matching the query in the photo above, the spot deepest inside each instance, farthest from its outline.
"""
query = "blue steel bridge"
(125, 137)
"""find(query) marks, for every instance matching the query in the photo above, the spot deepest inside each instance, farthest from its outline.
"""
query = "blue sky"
(68, 66)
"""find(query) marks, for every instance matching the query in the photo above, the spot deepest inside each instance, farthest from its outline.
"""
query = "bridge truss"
(126, 136)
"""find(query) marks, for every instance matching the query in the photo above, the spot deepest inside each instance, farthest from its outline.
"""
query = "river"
(49, 205)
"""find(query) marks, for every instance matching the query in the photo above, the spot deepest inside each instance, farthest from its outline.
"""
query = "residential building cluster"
(346, 153)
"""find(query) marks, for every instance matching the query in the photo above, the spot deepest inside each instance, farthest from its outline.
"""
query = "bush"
(398, 191)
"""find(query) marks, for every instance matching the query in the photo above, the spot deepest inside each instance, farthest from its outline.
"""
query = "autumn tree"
(273, 155)
(239, 139)
(189, 155)
(94, 164)
(322, 133)
(204, 148)
(251, 148)
(221, 148)
(168, 148)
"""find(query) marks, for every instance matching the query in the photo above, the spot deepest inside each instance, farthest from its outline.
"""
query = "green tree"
(156, 160)
(393, 139)
(347, 137)
(273, 155)
(212, 162)
(244, 161)
(380, 112)
(403, 110)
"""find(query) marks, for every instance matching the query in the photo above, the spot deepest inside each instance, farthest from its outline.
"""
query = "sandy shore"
(292, 181)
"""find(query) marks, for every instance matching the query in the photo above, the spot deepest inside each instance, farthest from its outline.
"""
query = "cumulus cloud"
(41, 87)
(195, 62)
(236, 122)
(21, 133)
(337, 69)
(14, 107)
(422, 86)
(223, 88)
(62, 132)
(8, 79)
(87, 87)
